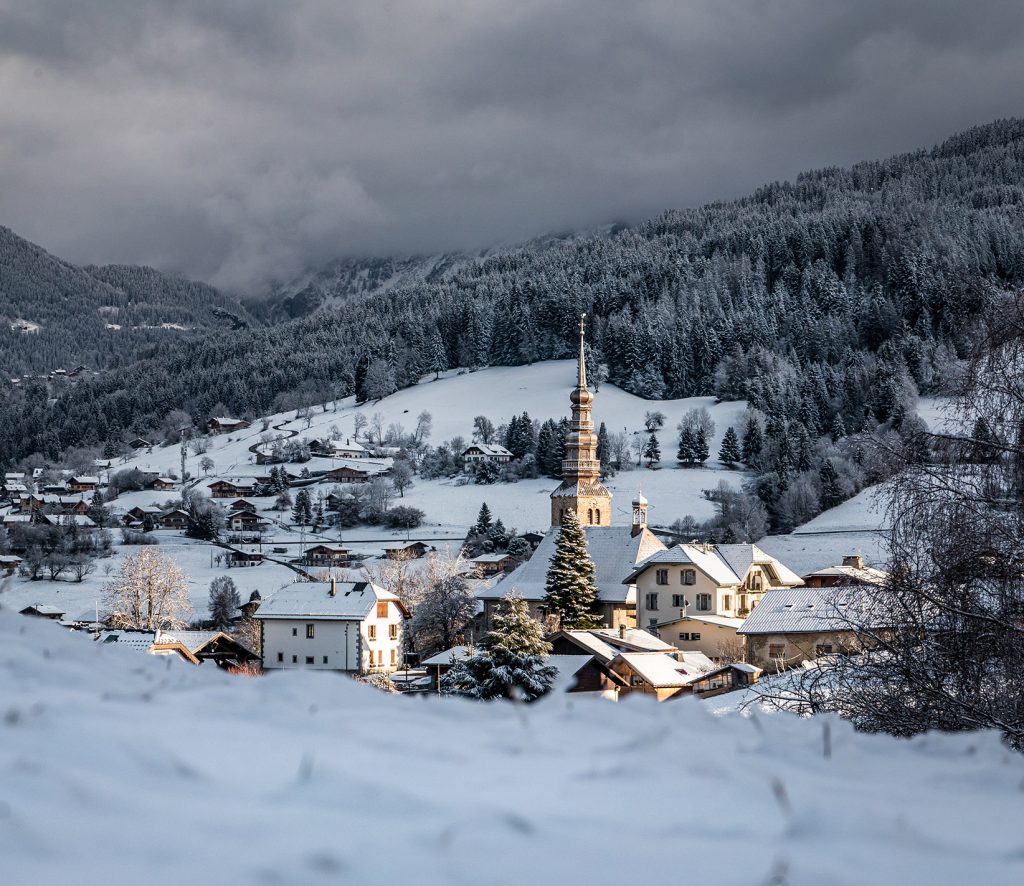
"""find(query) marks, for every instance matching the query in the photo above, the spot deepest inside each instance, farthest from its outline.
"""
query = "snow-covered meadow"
(122, 768)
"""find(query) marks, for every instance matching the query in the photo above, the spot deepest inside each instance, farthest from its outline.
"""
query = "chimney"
(622, 631)
(334, 587)
(855, 560)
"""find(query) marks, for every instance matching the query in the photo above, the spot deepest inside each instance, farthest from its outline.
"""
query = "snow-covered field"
(122, 768)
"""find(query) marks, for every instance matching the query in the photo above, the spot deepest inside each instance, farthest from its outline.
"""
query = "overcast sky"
(242, 141)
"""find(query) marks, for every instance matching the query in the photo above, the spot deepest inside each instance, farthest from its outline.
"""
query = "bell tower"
(581, 490)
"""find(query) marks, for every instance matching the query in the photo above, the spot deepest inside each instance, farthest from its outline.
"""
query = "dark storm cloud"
(242, 142)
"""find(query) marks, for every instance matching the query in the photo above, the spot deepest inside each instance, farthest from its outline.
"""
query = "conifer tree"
(302, 510)
(701, 449)
(511, 663)
(838, 430)
(729, 454)
(831, 491)
(753, 440)
(686, 454)
(652, 451)
(603, 450)
(571, 589)
(483, 520)
(98, 512)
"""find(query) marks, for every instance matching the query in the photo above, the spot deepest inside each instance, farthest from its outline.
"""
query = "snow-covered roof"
(445, 658)
(614, 550)
(313, 599)
(140, 640)
(726, 565)
(490, 558)
(567, 666)
(809, 610)
(636, 639)
(488, 449)
(85, 479)
(866, 574)
(43, 609)
(594, 644)
(81, 520)
(660, 669)
(723, 621)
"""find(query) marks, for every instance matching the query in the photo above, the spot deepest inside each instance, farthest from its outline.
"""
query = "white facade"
(308, 628)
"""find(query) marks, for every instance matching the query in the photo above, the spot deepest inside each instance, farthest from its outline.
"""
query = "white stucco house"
(332, 626)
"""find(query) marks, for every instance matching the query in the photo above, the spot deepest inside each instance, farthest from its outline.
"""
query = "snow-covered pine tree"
(571, 590)
(224, 602)
(652, 451)
(729, 454)
(511, 663)
(701, 450)
(483, 520)
(686, 454)
(753, 440)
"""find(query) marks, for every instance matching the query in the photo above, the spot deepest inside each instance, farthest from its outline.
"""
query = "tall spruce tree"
(483, 520)
(571, 588)
(729, 454)
(652, 450)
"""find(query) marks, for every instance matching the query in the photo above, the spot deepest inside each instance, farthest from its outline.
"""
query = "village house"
(695, 596)
(659, 674)
(327, 555)
(225, 425)
(355, 627)
(345, 474)
(234, 487)
(728, 678)
(81, 522)
(245, 521)
(794, 625)
(241, 559)
(165, 484)
(222, 649)
(615, 550)
(852, 571)
(140, 443)
(9, 564)
(137, 517)
(348, 449)
(173, 519)
(43, 610)
(241, 504)
(492, 452)
(492, 564)
(409, 550)
(83, 483)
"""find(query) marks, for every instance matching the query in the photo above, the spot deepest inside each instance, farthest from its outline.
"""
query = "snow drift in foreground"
(123, 768)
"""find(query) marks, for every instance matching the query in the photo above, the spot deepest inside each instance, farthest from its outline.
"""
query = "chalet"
(410, 550)
(492, 564)
(852, 571)
(81, 522)
(794, 625)
(42, 610)
(9, 564)
(216, 646)
(735, 675)
(337, 626)
(55, 504)
(660, 674)
(233, 488)
(174, 519)
(245, 521)
(223, 424)
(140, 443)
(165, 484)
(345, 474)
(695, 595)
(12, 520)
(137, 515)
(241, 504)
(327, 555)
(83, 483)
(348, 449)
(238, 559)
(492, 452)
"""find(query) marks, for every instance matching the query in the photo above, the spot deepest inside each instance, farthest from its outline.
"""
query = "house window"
(309, 659)
(295, 632)
(652, 602)
(694, 636)
(393, 632)
(776, 650)
(678, 601)
(309, 632)
(382, 610)
(295, 659)
(683, 635)
(661, 577)
(754, 581)
(823, 649)
(704, 602)
(280, 657)
(392, 658)
(688, 577)
(371, 633)
(727, 601)
(325, 659)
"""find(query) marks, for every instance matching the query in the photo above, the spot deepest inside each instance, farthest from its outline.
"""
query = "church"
(615, 550)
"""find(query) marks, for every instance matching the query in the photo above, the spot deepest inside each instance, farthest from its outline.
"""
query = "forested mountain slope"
(825, 302)
(99, 317)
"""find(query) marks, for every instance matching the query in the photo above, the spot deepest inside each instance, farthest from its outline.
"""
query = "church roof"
(614, 550)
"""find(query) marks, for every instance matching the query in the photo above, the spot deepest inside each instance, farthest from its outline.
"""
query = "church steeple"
(581, 490)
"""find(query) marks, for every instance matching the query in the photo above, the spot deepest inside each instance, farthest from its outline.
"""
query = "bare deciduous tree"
(150, 591)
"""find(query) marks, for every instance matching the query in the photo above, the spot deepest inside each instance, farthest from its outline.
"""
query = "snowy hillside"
(307, 778)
